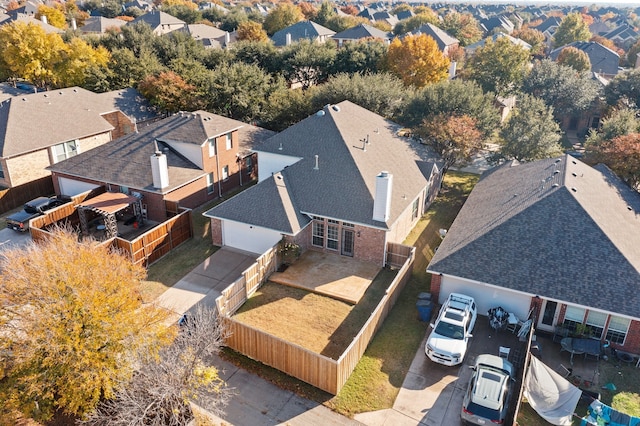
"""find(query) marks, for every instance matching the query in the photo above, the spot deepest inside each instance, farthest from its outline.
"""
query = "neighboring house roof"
(342, 186)
(405, 14)
(516, 41)
(99, 24)
(603, 60)
(125, 161)
(36, 121)
(211, 5)
(623, 32)
(208, 35)
(556, 228)
(498, 22)
(301, 30)
(600, 27)
(140, 4)
(362, 31)
(12, 16)
(156, 18)
(441, 37)
(549, 25)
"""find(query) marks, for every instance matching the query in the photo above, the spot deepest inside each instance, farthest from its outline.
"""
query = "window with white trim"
(248, 163)
(318, 234)
(212, 147)
(225, 173)
(414, 209)
(65, 150)
(618, 329)
(229, 141)
(210, 183)
(332, 235)
(572, 317)
(1, 171)
(595, 323)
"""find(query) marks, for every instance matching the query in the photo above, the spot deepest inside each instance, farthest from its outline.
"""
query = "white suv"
(448, 341)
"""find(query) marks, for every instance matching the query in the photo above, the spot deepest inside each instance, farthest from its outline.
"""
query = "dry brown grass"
(319, 323)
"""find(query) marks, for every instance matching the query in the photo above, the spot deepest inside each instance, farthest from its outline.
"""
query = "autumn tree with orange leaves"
(417, 60)
(622, 155)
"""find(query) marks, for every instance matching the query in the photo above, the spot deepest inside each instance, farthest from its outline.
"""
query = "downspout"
(240, 169)
(218, 169)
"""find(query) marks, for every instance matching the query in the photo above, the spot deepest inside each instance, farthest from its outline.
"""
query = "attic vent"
(336, 108)
(574, 174)
(558, 160)
(46, 96)
(555, 185)
(320, 113)
(629, 208)
(574, 162)
(75, 90)
(60, 93)
(574, 189)
(555, 172)
(24, 99)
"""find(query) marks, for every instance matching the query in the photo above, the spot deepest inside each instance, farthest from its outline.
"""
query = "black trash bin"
(424, 309)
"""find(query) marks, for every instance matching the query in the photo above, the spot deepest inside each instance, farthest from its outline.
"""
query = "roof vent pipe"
(316, 167)
(287, 39)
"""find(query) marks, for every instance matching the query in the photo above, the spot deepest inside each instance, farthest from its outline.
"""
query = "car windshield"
(484, 412)
(452, 331)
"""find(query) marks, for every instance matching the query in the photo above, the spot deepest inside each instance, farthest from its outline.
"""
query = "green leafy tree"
(462, 26)
(620, 122)
(532, 36)
(359, 57)
(307, 63)
(414, 22)
(453, 97)
(632, 54)
(572, 28)
(575, 58)
(282, 16)
(561, 87)
(177, 45)
(241, 91)
(531, 133)
(499, 66)
(232, 20)
(382, 93)
(624, 88)
(622, 155)
(263, 54)
(183, 12)
(286, 107)
(456, 138)
(339, 23)
(72, 321)
(164, 386)
(417, 60)
(325, 13)
(77, 60)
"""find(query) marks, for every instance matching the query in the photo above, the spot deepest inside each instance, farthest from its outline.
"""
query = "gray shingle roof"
(555, 228)
(125, 161)
(603, 59)
(155, 18)
(38, 120)
(99, 24)
(441, 37)
(362, 31)
(343, 185)
(301, 30)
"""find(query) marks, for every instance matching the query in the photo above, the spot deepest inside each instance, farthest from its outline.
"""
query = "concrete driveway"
(11, 239)
(431, 393)
(205, 283)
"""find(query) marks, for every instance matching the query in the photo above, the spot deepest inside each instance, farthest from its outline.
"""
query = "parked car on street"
(20, 221)
(449, 339)
(487, 398)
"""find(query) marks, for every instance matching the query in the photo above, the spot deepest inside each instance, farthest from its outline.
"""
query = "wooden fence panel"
(294, 360)
(397, 254)
(11, 198)
(235, 295)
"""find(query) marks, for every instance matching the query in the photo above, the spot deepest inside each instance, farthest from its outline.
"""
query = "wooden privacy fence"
(252, 278)
(144, 249)
(397, 254)
(10, 198)
(318, 370)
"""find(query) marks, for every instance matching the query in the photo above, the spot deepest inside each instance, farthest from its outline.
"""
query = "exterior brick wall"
(369, 245)
(536, 306)
(436, 284)
(121, 123)
(632, 342)
(28, 167)
(216, 232)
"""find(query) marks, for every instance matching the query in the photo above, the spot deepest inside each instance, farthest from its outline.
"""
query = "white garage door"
(487, 297)
(72, 187)
(248, 238)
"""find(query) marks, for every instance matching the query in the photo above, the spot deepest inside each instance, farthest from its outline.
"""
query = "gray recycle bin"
(424, 309)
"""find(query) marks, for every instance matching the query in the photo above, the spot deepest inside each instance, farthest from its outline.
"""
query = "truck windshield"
(452, 331)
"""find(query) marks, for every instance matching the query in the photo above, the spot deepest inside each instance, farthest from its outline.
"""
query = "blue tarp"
(603, 415)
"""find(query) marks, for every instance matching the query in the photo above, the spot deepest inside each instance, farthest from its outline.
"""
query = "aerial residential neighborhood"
(365, 213)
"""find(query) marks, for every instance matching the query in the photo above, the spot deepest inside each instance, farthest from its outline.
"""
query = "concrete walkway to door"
(206, 282)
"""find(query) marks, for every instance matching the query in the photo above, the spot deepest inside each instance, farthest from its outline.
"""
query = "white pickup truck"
(449, 339)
